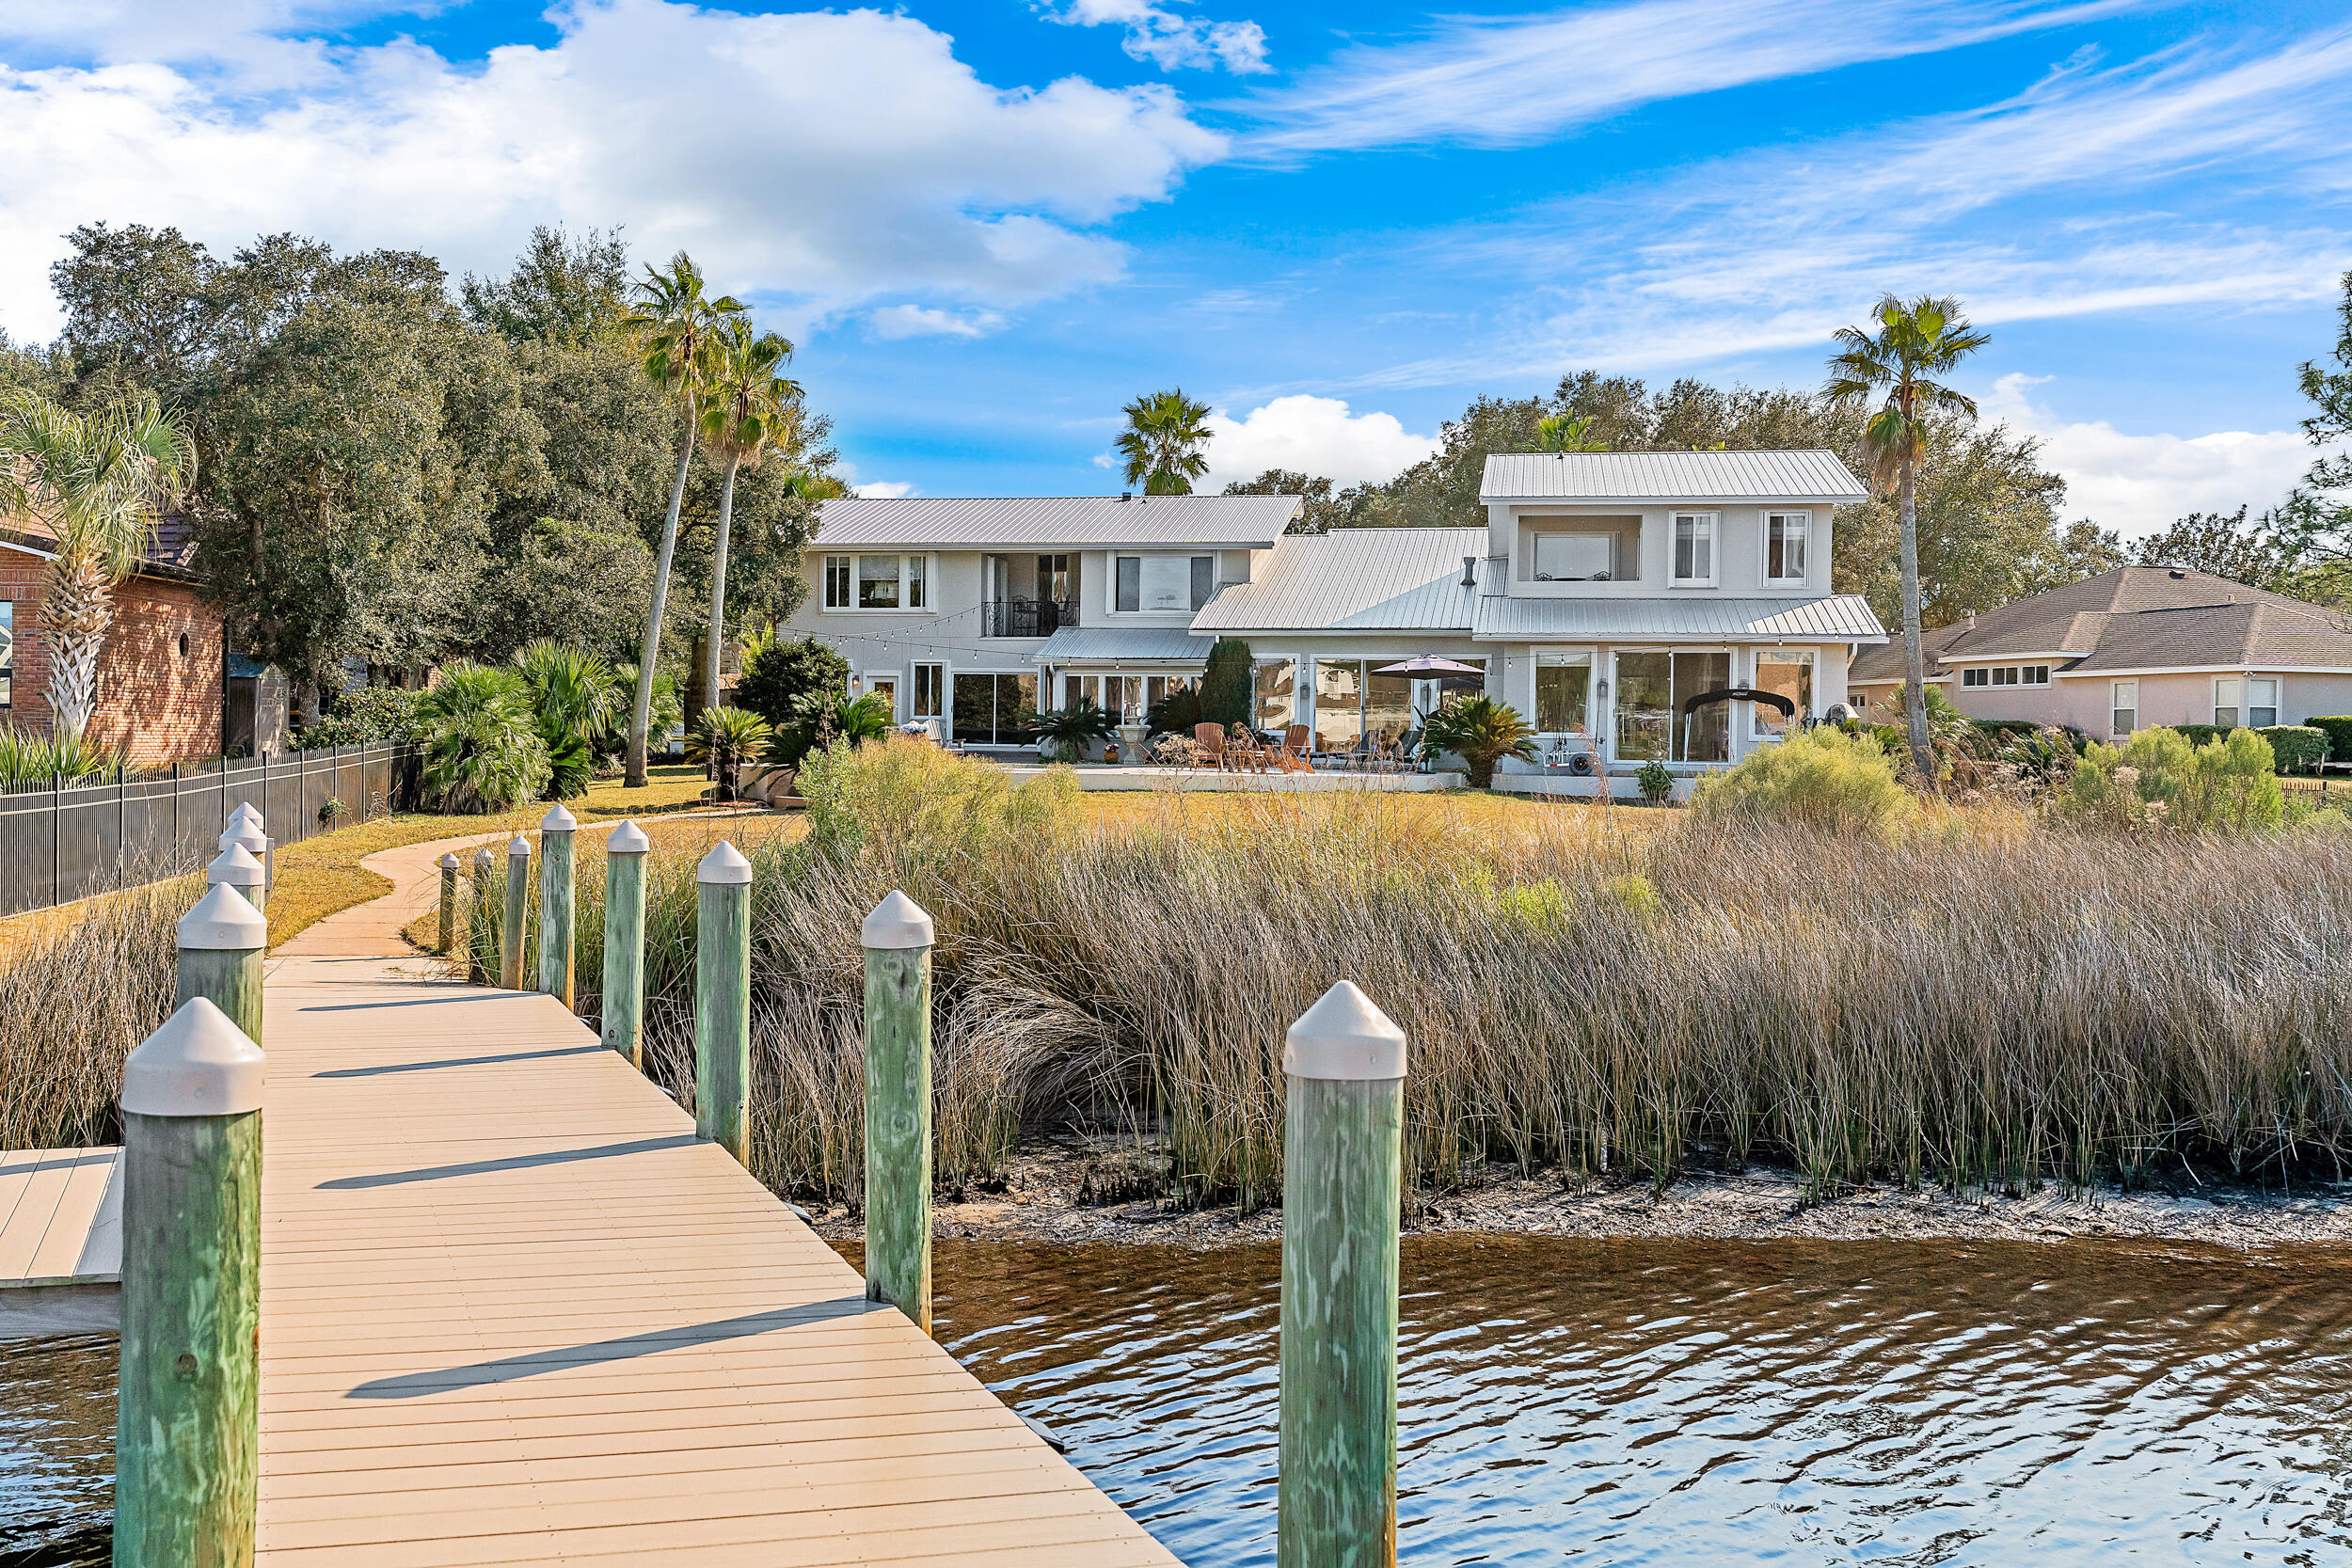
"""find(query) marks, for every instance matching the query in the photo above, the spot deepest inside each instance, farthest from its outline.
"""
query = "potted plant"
(1064, 733)
(1479, 730)
(1656, 781)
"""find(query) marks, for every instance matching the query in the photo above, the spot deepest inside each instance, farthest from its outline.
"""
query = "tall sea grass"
(1975, 999)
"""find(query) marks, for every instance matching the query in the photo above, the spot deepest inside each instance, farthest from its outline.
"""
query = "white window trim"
(2238, 707)
(931, 583)
(1110, 588)
(1714, 550)
(1764, 548)
(1756, 734)
(945, 693)
(2115, 705)
(1565, 657)
(2023, 682)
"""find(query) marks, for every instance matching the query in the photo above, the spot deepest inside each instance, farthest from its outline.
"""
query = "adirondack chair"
(1210, 739)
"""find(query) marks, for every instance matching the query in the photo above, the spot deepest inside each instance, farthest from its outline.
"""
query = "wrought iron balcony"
(1026, 617)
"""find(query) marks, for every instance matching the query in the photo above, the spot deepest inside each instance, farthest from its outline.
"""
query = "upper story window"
(2005, 674)
(1164, 581)
(1784, 546)
(1693, 549)
(1576, 557)
(877, 583)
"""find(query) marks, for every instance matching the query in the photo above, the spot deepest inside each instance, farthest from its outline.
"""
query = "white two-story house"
(1636, 606)
(970, 612)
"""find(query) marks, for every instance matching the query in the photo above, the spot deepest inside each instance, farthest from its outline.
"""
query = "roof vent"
(1470, 571)
(2178, 574)
(1126, 495)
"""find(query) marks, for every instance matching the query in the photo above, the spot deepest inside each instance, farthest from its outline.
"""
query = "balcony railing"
(1026, 617)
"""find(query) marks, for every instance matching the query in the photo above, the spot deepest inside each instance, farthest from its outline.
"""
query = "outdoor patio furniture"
(1295, 740)
(1209, 738)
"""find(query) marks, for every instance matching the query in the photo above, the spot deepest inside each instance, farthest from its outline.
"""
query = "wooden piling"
(898, 938)
(236, 869)
(446, 932)
(187, 1435)
(624, 941)
(556, 831)
(481, 921)
(1342, 1174)
(222, 941)
(722, 1001)
(510, 970)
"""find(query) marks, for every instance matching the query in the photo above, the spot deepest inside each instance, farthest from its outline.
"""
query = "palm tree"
(1162, 442)
(1559, 433)
(675, 328)
(1916, 339)
(746, 407)
(576, 698)
(98, 485)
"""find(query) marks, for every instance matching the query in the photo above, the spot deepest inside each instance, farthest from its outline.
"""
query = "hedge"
(2196, 734)
(2295, 748)
(2338, 733)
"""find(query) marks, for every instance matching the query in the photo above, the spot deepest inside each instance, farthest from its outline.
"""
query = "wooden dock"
(60, 1241)
(512, 1312)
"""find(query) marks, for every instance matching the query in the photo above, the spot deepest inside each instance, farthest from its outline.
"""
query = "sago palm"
(747, 407)
(1479, 730)
(723, 741)
(98, 485)
(675, 328)
(1163, 442)
(1916, 340)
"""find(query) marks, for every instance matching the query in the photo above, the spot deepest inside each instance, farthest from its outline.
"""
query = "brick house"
(161, 678)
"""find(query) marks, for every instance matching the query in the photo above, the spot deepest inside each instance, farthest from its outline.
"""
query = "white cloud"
(2139, 484)
(893, 322)
(1508, 83)
(1313, 436)
(1171, 41)
(830, 157)
(886, 490)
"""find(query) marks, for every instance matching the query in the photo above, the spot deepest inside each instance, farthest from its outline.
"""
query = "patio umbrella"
(1429, 666)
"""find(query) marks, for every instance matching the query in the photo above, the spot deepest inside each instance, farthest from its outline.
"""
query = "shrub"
(1177, 713)
(2338, 729)
(776, 677)
(481, 746)
(1068, 731)
(668, 711)
(723, 741)
(577, 700)
(1656, 782)
(1823, 778)
(821, 718)
(1479, 730)
(29, 759)
(1227, 684)
(2159, 780)
(361, 715)
(2198, 735)
(2296, 747)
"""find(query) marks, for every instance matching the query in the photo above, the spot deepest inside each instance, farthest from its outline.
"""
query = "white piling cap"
(225, 918)
(558, 820)
(247, 813)
(897, 920)
(627, 839)
(198, 1063)
(483, 856)
(235, 867)
(1344, 1036)
(449, 862)
(724, 866)
(252, 838)
(518, 846)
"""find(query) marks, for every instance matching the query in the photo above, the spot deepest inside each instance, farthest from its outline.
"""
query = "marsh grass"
(1978, 999)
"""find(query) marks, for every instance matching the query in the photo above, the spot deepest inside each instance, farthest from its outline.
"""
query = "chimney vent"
(1470, 571)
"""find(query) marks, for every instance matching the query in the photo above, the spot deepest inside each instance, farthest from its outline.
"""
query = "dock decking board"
(513, 1313)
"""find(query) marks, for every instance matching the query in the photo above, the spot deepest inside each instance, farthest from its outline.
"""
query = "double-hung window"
(877, 583)
(2124, 704)
(1143, 582)
(2251, 702)
(1783, 547)
(1693, 549)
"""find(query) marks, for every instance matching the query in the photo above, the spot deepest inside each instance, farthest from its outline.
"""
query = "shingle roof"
(171, 553)
(1669, 476)
(1841, 618)
(2138, 618)
(1059, 522)
(1355, 579)
(1123, 645)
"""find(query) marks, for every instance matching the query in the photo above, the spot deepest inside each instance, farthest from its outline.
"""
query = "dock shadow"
(459, 1061)
(511, 1161)
(509, 1368)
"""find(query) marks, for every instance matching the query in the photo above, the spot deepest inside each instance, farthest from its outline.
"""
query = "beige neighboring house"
(2131, 648)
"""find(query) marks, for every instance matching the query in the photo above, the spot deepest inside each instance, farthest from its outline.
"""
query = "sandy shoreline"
(1049, 1189)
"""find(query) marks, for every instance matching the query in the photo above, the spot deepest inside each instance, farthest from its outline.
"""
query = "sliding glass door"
(989, 706)
(1651, 689)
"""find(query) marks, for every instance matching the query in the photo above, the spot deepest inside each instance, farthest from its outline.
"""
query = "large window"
(1338, 704)
(1693, 549)
(1652, 688)
(7, 652)
(1790, 674)
(1784, 546)
(1275, 702)
(1354, 702)
(2005, 674)
(1164, 581)
(2260, 698)
(877, 583)
(1576, 557)
(989, 709)
(1564, 684)
(930, 692)
(2124, 704)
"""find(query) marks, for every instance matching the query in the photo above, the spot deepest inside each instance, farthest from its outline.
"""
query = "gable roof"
(1052, 522)
(2137, 618)
(1669, 476)
(1355, 579)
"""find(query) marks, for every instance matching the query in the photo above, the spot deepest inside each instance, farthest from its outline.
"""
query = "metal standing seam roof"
(1355, 579)
(1839, 618)
(1060, 522)
(1123, 645)
(1669, 476)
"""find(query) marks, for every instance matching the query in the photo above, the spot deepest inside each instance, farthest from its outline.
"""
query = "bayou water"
(1616, 1403)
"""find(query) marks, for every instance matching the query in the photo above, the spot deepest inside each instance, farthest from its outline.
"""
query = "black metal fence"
(70, 838)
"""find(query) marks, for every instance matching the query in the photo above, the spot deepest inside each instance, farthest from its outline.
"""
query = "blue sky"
(988, 223)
